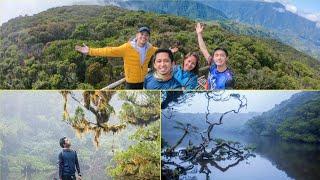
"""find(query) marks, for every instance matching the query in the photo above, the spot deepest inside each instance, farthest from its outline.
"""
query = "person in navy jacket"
(68, 161)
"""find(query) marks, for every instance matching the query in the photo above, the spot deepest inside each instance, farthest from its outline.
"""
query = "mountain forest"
(37, 52)
(296, 119)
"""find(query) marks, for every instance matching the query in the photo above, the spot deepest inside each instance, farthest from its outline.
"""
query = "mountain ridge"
(296, 119)
(37, 52)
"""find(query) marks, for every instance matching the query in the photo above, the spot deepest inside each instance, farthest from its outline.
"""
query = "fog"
(32, 124)
(258, 101)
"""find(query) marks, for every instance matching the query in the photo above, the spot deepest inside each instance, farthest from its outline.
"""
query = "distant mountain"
(274, 16)
(297, 118)
(190, 9)
(231, 122)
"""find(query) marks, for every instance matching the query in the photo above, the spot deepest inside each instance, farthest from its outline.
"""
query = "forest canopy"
(296, 119)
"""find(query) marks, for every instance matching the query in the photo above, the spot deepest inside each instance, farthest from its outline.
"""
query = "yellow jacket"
(133, 69)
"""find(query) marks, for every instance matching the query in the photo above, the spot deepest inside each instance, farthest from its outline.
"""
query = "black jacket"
(68, 163)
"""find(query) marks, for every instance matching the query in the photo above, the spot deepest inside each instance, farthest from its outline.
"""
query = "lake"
(275, 159)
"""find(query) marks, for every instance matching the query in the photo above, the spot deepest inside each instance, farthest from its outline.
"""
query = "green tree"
(141, 160)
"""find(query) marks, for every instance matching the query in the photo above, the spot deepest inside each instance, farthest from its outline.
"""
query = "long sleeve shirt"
(68, 163)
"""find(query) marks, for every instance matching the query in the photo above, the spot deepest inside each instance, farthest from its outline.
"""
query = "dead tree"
(178, 162)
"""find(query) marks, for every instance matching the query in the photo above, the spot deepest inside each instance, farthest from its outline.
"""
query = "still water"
(275, 159)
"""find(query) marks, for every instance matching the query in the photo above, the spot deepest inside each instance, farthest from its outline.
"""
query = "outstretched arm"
(202, 45)
(103, 52)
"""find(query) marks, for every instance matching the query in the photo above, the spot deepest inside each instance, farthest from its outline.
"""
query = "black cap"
(144, 28)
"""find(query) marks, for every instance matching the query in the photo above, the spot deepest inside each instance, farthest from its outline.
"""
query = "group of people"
(166, 74)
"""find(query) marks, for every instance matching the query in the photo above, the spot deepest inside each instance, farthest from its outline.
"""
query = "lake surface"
(275, 159)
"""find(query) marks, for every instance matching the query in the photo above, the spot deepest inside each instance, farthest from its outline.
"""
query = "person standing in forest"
(220, 76)
(136, 55)
(68, 161)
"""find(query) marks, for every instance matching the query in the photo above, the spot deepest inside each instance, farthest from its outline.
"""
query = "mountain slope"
(274, 16)
(190, 9)
(297, 118)
(38, 51)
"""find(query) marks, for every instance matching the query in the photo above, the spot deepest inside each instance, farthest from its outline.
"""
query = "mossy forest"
(115, 134)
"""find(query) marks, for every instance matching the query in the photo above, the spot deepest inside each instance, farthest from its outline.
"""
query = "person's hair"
(222, 49)
(62, 141)
(168, 51)
(195, 70)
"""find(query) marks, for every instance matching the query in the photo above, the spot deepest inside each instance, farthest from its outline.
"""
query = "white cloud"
(292, 8)
(312, 17)
(288, 6)
(315, 17)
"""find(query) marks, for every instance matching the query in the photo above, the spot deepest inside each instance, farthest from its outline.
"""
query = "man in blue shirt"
(161, 77)
(68, 161)
(220, 76)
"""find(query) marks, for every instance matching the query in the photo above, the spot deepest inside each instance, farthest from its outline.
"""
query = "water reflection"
(298, 160)
(275, 159)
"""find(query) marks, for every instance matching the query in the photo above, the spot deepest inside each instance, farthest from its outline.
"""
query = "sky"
(258, 101)
(13, 8)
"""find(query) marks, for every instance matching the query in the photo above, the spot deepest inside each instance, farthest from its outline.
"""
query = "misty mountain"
(190, 9)
(274, 17)
(297, 118)
(231, 122)
(270, 15)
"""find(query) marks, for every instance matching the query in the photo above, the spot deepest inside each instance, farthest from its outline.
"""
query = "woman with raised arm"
(220, 76)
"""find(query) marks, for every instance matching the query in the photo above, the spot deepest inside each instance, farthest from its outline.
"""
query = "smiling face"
(189, 63)
(142, 38)
(220, 58)
(163, 63)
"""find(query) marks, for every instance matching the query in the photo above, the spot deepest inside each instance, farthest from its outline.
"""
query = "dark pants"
(72, 177)
(134, 85)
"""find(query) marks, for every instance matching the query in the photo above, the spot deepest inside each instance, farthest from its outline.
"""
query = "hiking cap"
(144, 28)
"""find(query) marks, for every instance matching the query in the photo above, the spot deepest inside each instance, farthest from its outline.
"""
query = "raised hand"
(199, 28)
(202, 45)
(83, 49)
(174, 50)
